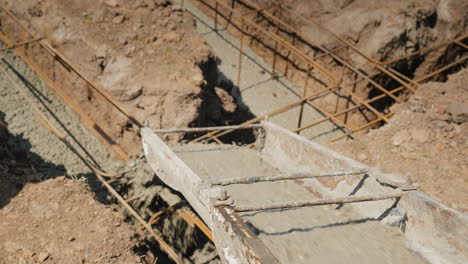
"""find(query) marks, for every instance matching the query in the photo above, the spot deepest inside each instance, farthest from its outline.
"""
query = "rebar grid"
(269, 25)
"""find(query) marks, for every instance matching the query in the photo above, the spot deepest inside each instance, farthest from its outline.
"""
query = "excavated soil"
(382, 30)
(58, 220)
(47, 157)
(145, 54)
(427, 139)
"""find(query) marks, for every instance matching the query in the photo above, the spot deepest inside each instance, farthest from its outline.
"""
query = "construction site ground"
(60, 221)
(170, 68)
(48, 214)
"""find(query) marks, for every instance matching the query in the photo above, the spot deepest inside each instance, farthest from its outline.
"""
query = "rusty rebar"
(355, 107)
(307, 203)
(70, 66)
(239, 64)
(164, 246)
(269, 114)
(204, 129)
(22, 43)
(94, 127)
(256, 179)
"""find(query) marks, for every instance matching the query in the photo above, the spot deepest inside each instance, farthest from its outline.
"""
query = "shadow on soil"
(19, 166)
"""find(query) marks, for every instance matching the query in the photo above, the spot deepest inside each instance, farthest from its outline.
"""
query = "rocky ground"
(58, 220)
(427, 139)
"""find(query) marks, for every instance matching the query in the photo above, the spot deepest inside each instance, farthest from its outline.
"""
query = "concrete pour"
(258, 92)
(21, 119)
(51, 158)
(323, 233)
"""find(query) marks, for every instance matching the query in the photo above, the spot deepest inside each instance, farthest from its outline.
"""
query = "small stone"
(421, 135)
(441, 110)
(139, 4)
(111, 3)
(162, 2)
(42, 256)
(123, 41)
(458, 112)
(409, 155)
(198, 79)
(22, 261)
(71, 239)
(416, 108)
(439, 124)
(453, 144)
(171, 26)
(226, 99)
(362, 157)
(130, 51)
(131, 93)
(400, 138)
(177, 8)
(172, 36)
(151, 39)
(395, 218)
(118, 19)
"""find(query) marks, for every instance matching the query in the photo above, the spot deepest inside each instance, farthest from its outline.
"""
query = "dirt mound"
(145, 54)
(59, 221)
(427, 138)
(383, 29)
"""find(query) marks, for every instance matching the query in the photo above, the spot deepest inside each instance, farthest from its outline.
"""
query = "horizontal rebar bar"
(254, 179)
(306, 203)
(203, 129)
(19, 44)
(54, 52)
(164, 246)
(94, 127)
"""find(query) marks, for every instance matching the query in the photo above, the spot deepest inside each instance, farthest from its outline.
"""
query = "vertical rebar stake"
(239, 66)
(273, 74)
(293, 40)
(299, 123)
(216, 17)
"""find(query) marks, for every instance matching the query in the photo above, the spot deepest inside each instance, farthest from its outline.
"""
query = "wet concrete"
(324, 234)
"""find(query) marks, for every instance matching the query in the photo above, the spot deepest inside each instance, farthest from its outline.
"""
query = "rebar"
(307, 203)
(256, 179)
(204, 129)
(19, 44)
